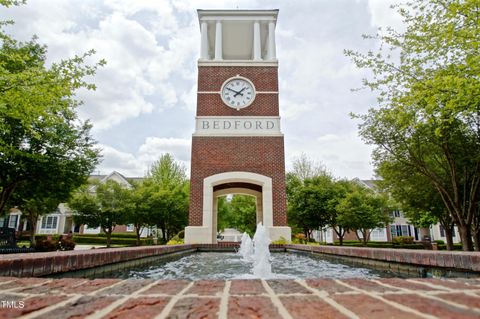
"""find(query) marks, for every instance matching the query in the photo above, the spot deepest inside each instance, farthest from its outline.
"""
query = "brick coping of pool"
(270, 299)
(50, 263)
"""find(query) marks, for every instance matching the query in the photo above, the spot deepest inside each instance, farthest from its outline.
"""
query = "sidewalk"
(312, 298)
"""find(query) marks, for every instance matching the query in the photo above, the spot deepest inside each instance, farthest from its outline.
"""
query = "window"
(49, 222)
(442, 231)
(400, 230)
(2, 221)
(395, 213)
(12, 221)
(130, 227)
(378, 234)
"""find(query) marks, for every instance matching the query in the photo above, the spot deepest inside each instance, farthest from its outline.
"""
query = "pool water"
(221, 265)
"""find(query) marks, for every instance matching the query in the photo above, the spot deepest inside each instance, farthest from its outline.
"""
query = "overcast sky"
(145, 100)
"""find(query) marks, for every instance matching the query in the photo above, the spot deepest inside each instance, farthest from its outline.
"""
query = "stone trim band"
(237, 126)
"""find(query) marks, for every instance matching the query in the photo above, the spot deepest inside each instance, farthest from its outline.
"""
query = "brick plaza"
(311, 298)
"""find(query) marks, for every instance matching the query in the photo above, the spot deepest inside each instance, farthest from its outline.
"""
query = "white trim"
(233, 18)
(242, 177)
(272, 63)
(244, 191)
(237, 126)
(206, 234)
(219, 92)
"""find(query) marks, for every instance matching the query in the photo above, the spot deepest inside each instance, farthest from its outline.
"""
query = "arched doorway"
(217, 185)
(237, 189)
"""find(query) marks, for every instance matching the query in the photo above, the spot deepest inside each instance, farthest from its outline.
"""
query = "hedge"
(94, 239)
(455, 247)
(380, 244)
(119, 235)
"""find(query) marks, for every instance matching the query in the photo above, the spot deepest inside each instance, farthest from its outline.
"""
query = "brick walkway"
(306, 299)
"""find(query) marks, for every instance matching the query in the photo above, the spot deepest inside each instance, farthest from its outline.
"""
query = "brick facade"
(263, 155)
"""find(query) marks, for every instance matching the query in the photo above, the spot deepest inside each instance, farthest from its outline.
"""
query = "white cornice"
(273, 63)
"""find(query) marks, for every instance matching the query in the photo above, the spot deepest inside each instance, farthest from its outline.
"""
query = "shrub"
(403, 240)
(439, 241)
(66, 243)
(94, 239)
(281, 241)
(299, 238)
(176, 240)
(181, 234)
(119, 235)
(46, 243)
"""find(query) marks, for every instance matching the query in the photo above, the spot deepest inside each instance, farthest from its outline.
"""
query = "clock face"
(238, 92)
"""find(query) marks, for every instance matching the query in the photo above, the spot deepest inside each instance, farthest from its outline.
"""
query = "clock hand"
(236, 92)
(239, 92)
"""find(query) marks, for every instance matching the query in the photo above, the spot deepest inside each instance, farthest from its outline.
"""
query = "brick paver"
(312, 298)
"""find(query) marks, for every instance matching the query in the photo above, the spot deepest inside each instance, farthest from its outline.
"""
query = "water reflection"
(213, 265)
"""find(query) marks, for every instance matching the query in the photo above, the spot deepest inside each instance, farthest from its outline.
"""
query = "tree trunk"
(366, 237)
(340, 233)
(164, 234)
(358, 237)
(33, 224)
(466, 236)
(449, 236)
(137, 231)
(109, 237)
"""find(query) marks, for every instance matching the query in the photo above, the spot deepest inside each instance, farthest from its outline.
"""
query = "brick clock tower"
(237, 146)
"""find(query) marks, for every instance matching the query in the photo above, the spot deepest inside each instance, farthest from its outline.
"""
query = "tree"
(42, 141)
(362, 211)
(101, 205)
(239, 212)
(304, 168)
(167, 173)
(310, 205)
(419, 200)
(340, 190)
(167, 189)
(428, 114)
(136, 210)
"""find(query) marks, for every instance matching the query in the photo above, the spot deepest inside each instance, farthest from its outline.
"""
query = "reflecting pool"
(221, 265)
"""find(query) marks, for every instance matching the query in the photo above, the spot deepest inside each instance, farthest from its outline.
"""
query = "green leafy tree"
(42, 141)
(305, 185)
(339, 191)
(239, 212)
(310, 206)
(167, 189)
(101, 205)
(428, 102)
(224, 215)
(419, 200)
(304, 167)
(136, 210)
(362, 211)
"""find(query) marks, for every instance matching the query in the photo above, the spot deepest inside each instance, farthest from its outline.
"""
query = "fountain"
(246, 248)
(257, 252)
(261, 253)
